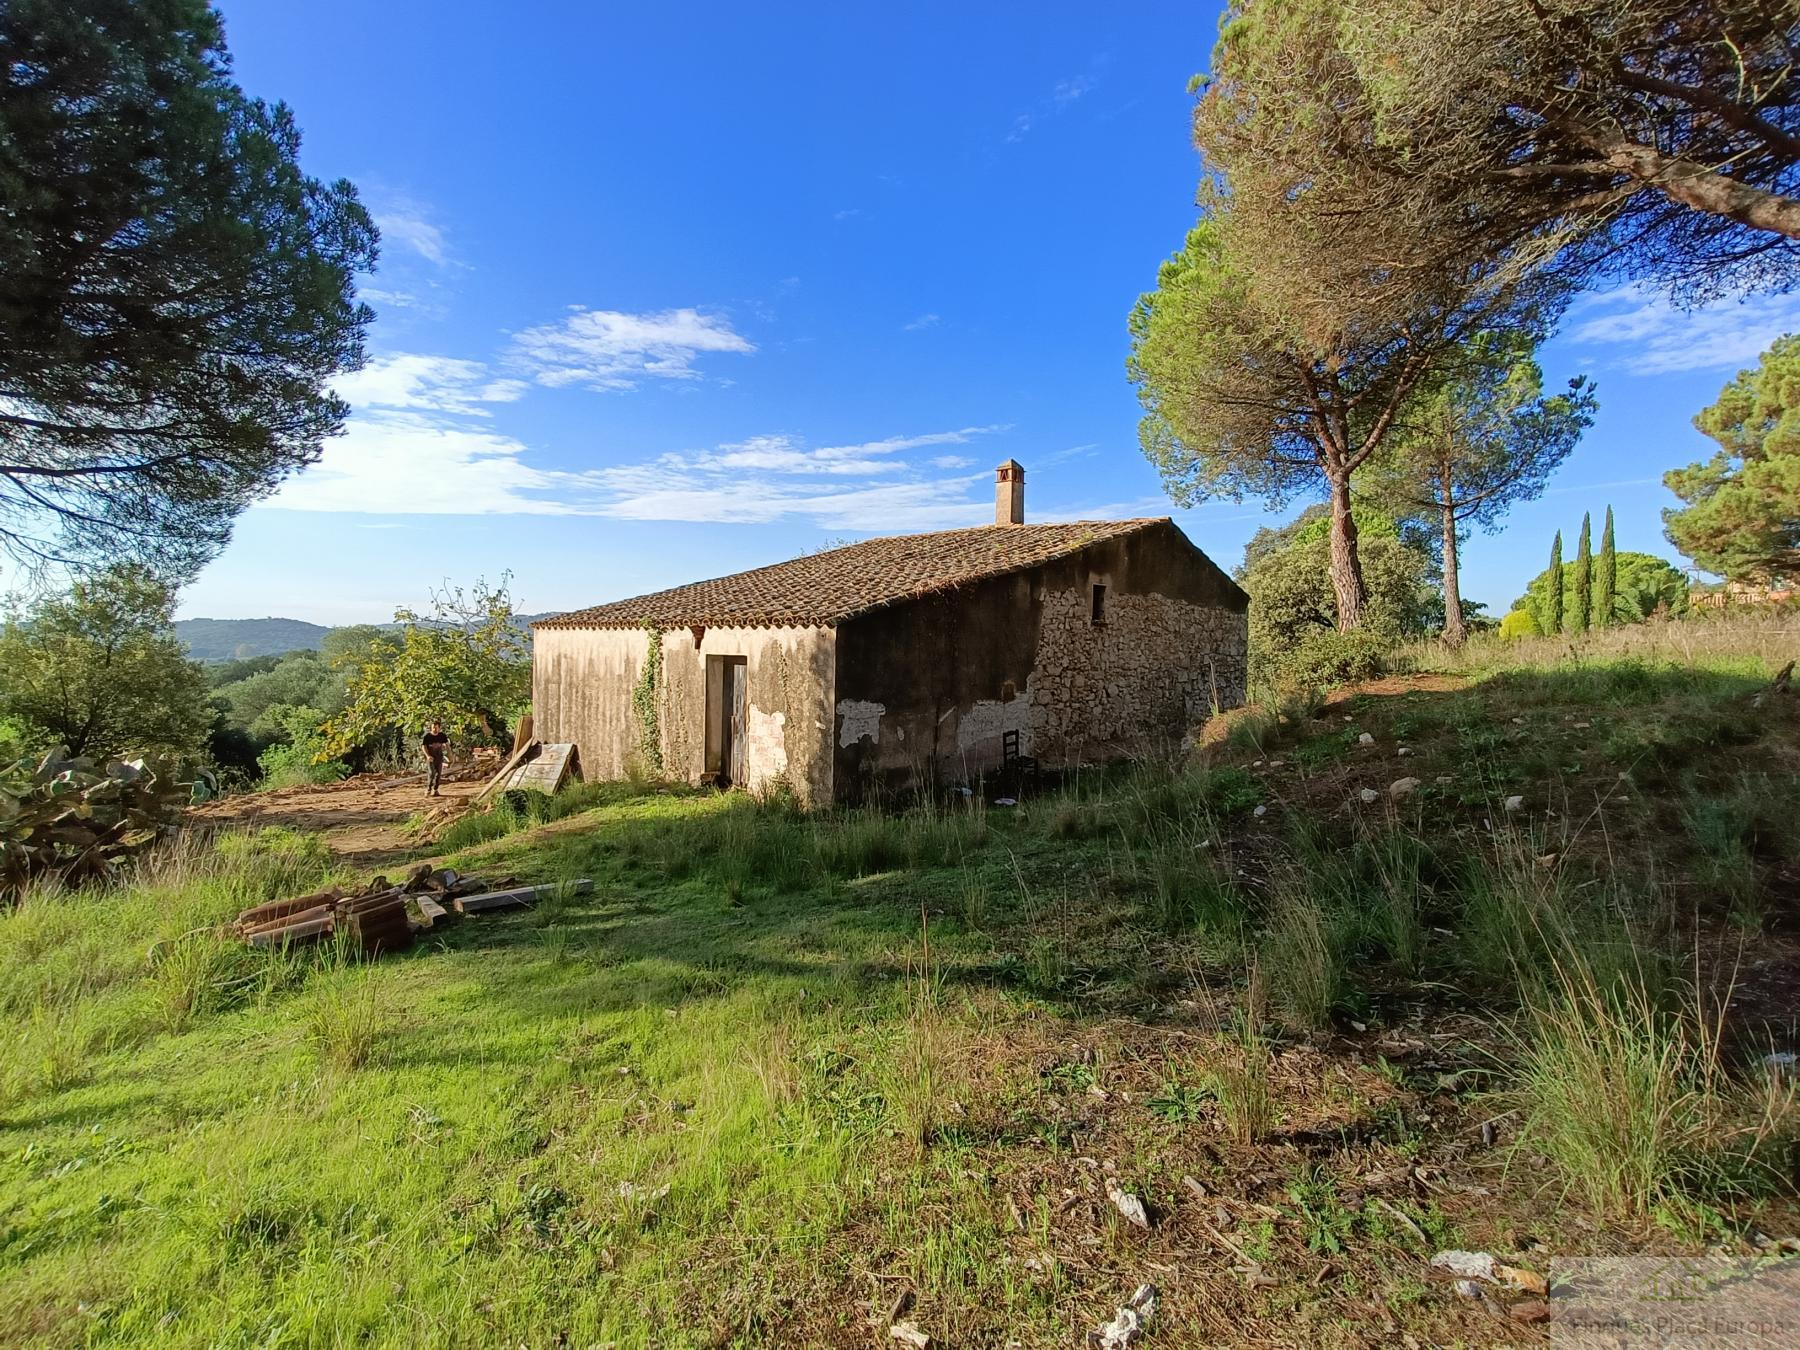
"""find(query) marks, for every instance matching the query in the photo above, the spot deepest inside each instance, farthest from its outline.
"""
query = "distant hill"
(239, 639)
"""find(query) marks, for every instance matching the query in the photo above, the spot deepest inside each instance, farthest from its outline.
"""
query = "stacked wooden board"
(376, 919)
(376, 923)
(280, 922)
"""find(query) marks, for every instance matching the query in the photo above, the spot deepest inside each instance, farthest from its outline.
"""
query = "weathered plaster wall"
(582, 680)
(932, 686)
(792, 681)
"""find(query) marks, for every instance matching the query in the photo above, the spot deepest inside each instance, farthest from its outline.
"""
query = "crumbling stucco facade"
(583, 679)
(910, 661)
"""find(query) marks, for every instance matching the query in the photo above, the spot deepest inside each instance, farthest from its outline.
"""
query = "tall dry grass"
(1755, 642)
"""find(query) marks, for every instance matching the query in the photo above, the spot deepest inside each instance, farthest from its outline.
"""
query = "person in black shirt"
(436, 742)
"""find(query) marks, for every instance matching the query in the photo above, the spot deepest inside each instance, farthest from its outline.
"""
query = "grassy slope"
(841, 1103)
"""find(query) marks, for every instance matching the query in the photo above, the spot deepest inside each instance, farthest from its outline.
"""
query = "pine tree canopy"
(175, 294)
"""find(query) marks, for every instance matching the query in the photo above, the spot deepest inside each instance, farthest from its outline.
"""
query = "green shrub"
(1240, 1079)
(188, 976)
(480, 827)
(77, 821)
(1523, 920)
(1326, 657)
(1303, 957)
(273, 861)
(1286, 572)
(298, 761)
(1521, 623)
(344, 1019)
(1188, 891)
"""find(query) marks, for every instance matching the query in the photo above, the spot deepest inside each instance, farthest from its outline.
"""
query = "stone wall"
(930, 688)
(582, 681)
(791, 673)
(1155, 669)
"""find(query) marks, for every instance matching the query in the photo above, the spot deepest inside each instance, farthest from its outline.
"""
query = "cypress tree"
(1553, 584)
(1606, 577)
(1584, 577)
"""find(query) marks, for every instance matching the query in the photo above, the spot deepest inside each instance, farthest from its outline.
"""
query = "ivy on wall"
(643, 700)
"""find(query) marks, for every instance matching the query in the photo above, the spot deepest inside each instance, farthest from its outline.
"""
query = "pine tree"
(176, 295)
(1553, 621)
(1478, 437)
(1584, 577)
(1606, 577)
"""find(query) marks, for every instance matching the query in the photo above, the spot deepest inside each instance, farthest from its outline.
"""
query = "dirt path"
(361, 819)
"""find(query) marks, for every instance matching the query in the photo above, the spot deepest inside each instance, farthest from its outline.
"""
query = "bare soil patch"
(362, 819)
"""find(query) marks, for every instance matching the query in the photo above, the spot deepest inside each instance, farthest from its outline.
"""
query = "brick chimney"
(1009, 493)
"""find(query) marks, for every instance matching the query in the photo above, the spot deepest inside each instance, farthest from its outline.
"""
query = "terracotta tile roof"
(824, 588)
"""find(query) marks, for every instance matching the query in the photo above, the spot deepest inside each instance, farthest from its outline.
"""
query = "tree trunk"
(1346, 565)
(1456, 632)
(1698, 187)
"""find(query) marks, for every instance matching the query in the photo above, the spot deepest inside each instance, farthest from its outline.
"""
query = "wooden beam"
(517, 758)
(518, 896)
(298, 932)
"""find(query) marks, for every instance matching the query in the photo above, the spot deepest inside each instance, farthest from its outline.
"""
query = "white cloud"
(653, 493)
(1067, 91)
(848, 213)
(407, 464)
(921, 323)
(607, 349)
(405, 223)
(380, 296)
(1663, 340)
(402, 460)
(782, 454)
(1063, 95)
(951, 462)
(440, 384)
(772, 478)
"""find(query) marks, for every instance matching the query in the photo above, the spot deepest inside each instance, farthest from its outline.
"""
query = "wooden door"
(737, 719)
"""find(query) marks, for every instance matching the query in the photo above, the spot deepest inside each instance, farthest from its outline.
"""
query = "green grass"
(579, 1119)
(1634, 1107)
(775, 1064)
(1240, 1079)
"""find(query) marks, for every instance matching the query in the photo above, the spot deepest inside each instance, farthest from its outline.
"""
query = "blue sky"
(671, 291)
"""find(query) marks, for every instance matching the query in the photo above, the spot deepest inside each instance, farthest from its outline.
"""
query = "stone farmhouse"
(913, 659)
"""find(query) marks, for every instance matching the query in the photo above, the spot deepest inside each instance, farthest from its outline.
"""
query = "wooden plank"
(368, 918)
(287, 920)
(379, 944)
(519, 896)
(362, 904)
(547, 772)
(507, 770)
(737, 676)
(258, 915)
(309, 931)
(431, 911)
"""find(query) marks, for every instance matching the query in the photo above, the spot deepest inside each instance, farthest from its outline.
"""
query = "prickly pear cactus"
(68, 817)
